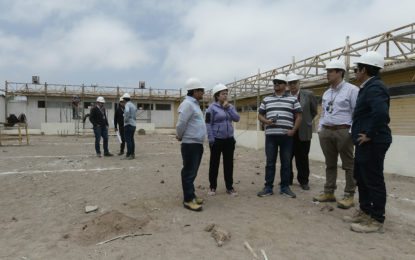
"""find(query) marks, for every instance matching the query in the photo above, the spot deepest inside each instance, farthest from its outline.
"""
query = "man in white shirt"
(338, 103)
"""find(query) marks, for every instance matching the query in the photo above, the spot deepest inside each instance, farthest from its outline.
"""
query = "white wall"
(399, 158)
(2, 109)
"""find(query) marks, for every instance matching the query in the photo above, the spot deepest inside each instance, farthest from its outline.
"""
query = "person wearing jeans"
(129, 126)
(277, 113)
(98, 118)
(219, 118)
(191, 131)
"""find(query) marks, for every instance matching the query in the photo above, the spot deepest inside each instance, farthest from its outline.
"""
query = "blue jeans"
(192, 155)
(101, 131)
(129, 139)
(285, 143)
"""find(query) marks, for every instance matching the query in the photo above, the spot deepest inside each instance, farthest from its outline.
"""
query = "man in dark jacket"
(119, 120)
(302, 138)
(372, 138)
(99, 120)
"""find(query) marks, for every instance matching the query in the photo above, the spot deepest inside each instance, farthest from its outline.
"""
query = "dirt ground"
(44, 188)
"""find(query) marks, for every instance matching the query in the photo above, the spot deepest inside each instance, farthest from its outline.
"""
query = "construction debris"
(219, 234)
(89, 209)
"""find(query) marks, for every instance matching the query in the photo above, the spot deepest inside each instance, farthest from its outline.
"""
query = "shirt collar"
(364, 83)
(192, 99)
(338, 86)
(283, 95)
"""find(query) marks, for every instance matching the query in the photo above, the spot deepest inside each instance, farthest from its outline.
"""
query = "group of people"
(353, 120)
(124, 126)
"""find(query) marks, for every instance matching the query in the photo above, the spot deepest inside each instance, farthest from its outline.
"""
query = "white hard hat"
(219, 87)
(293, 77)
(372, 58)
(336, 64)
(126, 95)
(100, 100)
(121, 99)
(280, 77)
(194, 83)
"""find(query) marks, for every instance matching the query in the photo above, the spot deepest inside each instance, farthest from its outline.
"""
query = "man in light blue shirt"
(129, 126)
(338, 103)
(191, 131)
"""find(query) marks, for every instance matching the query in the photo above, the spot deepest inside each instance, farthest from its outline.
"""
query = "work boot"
(325, 197)
(370, 226)
(192, 205)
(347, 202)
(108, 154)
(121, 153)
(199, 201)
(131, 157)
(358, 217)
(98, 155)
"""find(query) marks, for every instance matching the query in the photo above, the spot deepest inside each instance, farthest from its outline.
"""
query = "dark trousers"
(300, 152)
(285, 143)
(121, 132)
(192, 155)
(226, 147)
(129, 139)
(101, 131)
(368, 173)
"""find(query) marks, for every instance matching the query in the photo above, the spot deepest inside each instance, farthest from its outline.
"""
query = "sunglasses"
(279, 82)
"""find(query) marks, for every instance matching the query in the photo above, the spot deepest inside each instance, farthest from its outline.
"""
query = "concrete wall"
(398, 159)
(2, 109)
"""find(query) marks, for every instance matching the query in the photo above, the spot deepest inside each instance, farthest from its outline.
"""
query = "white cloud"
(95, 43)
(235, 38)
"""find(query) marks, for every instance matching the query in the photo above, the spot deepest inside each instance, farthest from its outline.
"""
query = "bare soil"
(44, 188)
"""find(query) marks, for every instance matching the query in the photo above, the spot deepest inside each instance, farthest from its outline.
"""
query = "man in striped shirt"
(277, 113)
(338, 104)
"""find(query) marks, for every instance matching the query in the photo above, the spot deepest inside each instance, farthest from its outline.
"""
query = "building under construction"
(52, 103)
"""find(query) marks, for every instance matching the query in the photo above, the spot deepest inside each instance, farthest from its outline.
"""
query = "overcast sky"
(122, 42)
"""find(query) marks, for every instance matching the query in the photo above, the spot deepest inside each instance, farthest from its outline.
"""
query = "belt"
(336, 127)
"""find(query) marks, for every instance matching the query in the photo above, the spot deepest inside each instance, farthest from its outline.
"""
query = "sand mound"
(106, 226)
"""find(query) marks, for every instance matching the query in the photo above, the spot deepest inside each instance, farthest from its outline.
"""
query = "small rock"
(209, 227)
(162, 181)
(158, 170)
(14, 219)
(252, 182)
(162, 165)
(256, 166)
(258, 173)
(89, 209)
(220, 235)
(66, 236)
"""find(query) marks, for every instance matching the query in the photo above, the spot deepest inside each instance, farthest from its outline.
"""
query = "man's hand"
(178, 138)
(225, 104)
(270, 122)
(290, 132)
(115, 129)
(363, 139)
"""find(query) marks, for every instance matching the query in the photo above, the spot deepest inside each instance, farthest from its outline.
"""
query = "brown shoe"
(347, 202)
(325, 197)
(370, 226)
(358, 217)
(199, 201)
(192, 205)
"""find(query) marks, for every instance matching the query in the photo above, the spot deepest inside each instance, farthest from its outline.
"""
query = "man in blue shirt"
(372, 138)
(129, 126)
(191, 131)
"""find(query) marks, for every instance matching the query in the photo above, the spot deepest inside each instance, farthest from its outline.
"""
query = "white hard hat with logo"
(293, 77)
(372, 58)
(336, 64)
(100, 100)
(218, 88)
(126, 95)
(194, 83)
(280, 77)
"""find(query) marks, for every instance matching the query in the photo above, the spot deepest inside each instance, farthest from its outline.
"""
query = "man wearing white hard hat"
(302, 138)
(277, 113)
(338, 103)
(372, 138)
(119, 121)
(219, 118)
(98, 118)
(129, 126)
(191, 131)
